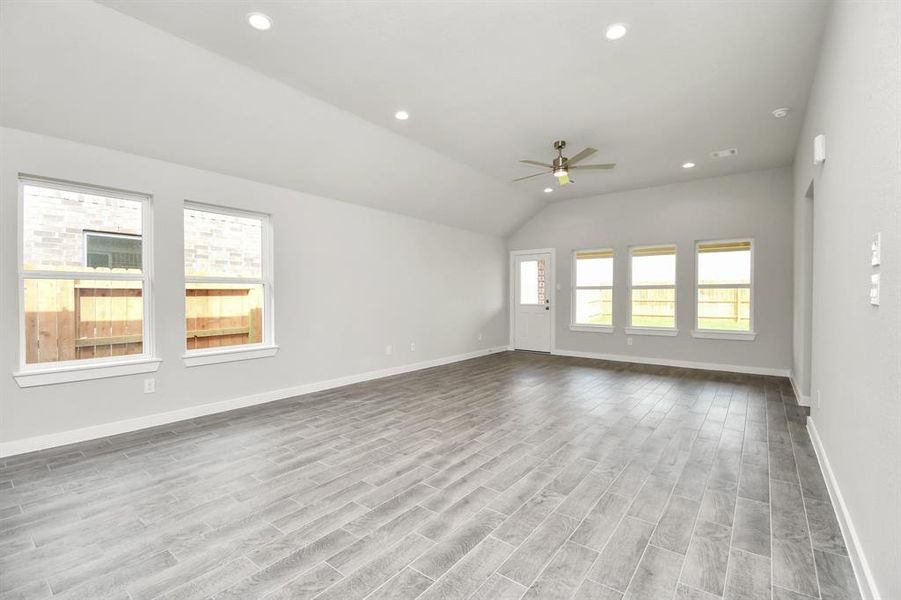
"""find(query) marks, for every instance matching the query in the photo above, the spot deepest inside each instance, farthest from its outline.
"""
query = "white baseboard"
(868, 589)
(63, 438)
(802, 399)
(666, 362)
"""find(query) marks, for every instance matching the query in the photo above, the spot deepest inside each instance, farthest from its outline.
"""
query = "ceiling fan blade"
(606, 166)
(531, 176)
(581, 155)
(535, 162)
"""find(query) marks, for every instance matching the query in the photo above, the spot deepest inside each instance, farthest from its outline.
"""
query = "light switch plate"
(876, 250)
(874, 289)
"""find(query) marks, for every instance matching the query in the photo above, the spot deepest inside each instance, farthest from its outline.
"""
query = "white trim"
(98, 431)
(86, 275)
(664, 331)
(195, 358)
(666, 362)
(865, 581)
(747, 336)
(551, 292)
(593, 328)
(801, 398)
(50, 376)
(82, 188)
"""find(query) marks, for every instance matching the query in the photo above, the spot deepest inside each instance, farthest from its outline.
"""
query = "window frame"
(268, 347)
(35, 374)
(600, 328)
(662, 331)
(723, 334)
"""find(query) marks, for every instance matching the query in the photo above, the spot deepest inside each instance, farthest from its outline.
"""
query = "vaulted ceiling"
(486, 84)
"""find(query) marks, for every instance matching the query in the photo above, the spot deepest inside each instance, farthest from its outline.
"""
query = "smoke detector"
(724, 153)
(781, 113)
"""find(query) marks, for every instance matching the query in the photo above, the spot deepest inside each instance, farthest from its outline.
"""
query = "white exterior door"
(532, 302)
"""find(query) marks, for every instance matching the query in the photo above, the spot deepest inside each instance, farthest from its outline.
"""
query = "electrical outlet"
(628, 341)
(149, 385)
(388, 349)
(412, 346)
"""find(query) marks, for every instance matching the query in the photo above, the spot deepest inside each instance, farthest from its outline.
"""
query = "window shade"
(594, 254)
(654, 251)
(724, 246)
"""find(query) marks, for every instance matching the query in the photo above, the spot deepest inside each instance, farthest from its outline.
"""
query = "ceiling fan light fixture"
(560, 172)
(616, 31)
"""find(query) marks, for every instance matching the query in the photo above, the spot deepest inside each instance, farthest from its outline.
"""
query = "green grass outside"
(724, 324)
(648, 321)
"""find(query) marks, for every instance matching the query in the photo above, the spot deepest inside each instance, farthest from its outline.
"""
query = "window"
(112, 250)
(84, 281)
(228, 288)
(724, 286)
(531, 282)
(653, 291)
(593, 288)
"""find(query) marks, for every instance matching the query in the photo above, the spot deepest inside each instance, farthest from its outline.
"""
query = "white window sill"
(747, 336)
(593, 328)
(196, 358)
(52, 375)
(664, 331)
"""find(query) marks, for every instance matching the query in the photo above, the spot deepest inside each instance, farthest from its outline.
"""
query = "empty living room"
(450, 299)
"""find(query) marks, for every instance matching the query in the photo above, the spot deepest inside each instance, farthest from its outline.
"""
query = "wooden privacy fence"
(223, 315)
(723, 305)
(77, 319)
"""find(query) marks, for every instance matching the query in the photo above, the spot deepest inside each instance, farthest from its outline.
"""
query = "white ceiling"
(488, 83)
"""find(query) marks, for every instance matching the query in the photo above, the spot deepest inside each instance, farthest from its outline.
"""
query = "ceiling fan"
(561, 166)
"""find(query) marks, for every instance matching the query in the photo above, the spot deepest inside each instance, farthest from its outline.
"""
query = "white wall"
(756, 205)
(348, 281)
(856, 362)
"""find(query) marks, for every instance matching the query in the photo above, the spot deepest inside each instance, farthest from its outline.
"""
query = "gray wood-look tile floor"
(510, 476)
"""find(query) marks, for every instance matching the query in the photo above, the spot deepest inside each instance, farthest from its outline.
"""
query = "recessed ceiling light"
(781, 113)
(259, 21)
(548, 190)
(688, 165)
(401, 115)
(616, 31)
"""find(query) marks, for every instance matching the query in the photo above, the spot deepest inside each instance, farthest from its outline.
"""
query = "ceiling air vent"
(724, 153)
